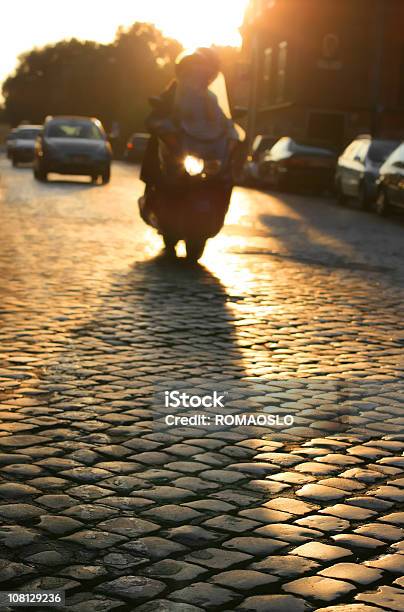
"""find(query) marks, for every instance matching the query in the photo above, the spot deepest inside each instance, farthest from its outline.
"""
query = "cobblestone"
(10, 570)
(293, 506)
(288, 533)
(134, 588)
(349, 512)
(318, 588)
(323, 523)
(131, 527)
(94, 539)
(352, 572)
(163, 605)
(275, 603)
(215, 558)
(295, 311)
(243, 580)
(357, 541)
(256, 546)
(285, 566)
(380, 531)
(321, 552)
(207, 595)
(391, 563)
(320, 493)
(386, 597)
(350, 608)
(59, 525)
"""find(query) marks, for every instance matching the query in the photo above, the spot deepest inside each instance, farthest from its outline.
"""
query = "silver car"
(23, 143)
(358, 169)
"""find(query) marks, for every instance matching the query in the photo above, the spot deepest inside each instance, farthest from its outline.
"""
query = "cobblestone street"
(295, 310)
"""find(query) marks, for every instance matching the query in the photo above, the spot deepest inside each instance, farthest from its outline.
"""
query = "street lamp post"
(253, 94)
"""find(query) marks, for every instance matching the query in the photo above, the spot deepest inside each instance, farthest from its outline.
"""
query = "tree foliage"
(111, 82)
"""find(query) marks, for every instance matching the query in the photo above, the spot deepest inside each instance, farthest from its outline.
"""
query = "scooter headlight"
(193, 165)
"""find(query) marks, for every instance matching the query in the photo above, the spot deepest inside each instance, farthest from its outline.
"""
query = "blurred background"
(310, 81)
(105, 59)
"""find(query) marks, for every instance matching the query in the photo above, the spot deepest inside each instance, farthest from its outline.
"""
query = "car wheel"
(341, 197)
(14, 162)
(106, 175)
(381, 205)
(169, 245)
(363, 197)
(40, 174)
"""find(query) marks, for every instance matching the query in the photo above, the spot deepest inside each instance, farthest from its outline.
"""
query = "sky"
(29, 23)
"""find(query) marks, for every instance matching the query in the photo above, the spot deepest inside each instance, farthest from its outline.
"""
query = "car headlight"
(193, 165)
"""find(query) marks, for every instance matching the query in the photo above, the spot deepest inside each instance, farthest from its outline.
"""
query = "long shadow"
(165, 326)
(172, 318)
(327, 234)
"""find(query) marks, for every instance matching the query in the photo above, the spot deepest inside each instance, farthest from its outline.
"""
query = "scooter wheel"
(195, 249)
(169, 246)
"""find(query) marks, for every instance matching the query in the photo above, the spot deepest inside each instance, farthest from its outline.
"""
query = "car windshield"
(74, 129)
(27, 134)
(380, 150)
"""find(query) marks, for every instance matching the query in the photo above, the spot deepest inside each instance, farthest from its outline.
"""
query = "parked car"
(23, 143)
(390, 185)
(10, 140)
(292, 164)
(73, 145)
(261, 143)
(358, 169)
(136, 147)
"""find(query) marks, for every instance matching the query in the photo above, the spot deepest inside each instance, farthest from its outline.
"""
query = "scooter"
(191, 201)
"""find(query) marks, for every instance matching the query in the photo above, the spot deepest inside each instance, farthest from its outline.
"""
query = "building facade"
(325, 70)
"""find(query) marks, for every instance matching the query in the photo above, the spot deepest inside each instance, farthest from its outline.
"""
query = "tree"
(111, 82)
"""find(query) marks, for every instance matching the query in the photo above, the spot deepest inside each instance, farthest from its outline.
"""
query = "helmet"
(203, 60)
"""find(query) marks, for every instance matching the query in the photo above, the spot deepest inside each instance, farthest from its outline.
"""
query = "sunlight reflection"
(227, 267)
(218, 250)
(152, 243)
(240, 207)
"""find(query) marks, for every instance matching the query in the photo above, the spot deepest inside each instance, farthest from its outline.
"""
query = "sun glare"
(192, 22)
(196, 23)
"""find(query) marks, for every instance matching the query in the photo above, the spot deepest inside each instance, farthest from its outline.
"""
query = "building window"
(282, 62)
(268, 94)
